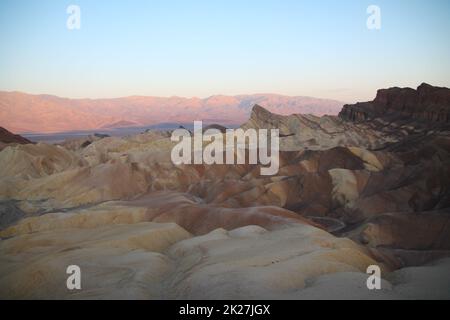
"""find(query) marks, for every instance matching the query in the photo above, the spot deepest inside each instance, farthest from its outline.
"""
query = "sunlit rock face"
(350, 192)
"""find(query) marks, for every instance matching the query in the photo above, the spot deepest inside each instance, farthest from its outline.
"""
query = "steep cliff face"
(427, 103)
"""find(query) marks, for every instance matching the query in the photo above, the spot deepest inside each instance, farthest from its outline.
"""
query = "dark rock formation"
(9, 137)
(427, 103)
(101, 135)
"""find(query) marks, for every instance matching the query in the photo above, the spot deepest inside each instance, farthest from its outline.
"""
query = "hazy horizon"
(173, 48)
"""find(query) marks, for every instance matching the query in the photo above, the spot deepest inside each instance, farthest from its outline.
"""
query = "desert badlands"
(368, 187)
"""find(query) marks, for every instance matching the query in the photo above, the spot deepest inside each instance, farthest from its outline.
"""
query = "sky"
(319, 48)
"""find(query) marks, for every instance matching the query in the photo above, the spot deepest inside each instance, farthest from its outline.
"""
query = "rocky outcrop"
(8, 138)
(427, 104)
(309, 132)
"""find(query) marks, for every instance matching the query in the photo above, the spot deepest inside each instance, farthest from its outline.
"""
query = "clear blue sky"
(198, 48)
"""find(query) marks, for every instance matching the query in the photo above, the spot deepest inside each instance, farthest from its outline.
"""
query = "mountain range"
(26, 113)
